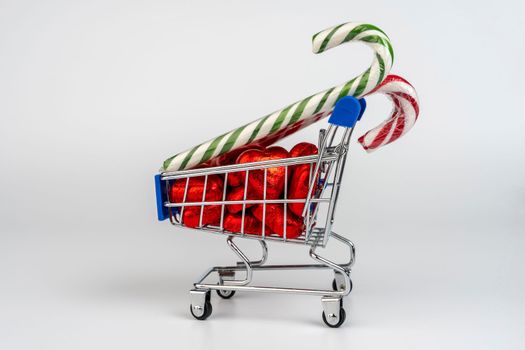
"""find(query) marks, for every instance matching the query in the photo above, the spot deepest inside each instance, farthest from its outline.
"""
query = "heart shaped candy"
(303, 149)
(274, 176)
(211, 216)
(274, 219)
(191, 215)
(237, 194)
(214, 187)
(300, 182)
(232, 223)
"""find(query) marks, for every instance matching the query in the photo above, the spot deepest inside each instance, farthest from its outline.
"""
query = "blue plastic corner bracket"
(347, 111)
(160, 193)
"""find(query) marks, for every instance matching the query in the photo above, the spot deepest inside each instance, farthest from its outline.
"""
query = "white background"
(95, 95)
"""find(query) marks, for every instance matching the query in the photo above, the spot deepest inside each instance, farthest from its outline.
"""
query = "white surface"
(95, 95)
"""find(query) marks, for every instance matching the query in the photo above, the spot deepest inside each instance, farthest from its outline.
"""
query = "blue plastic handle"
(362, 101)
(160, 193)
(347, 111)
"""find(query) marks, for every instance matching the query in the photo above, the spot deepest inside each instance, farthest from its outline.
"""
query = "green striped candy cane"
(296, 116)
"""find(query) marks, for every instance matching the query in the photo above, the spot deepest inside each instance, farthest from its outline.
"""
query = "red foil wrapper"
(274, 176)
(214, 191)
(214, 188)
(211, 216)
(275, 220)
(300, 181)
(236, 178)
(303, 149)
(237, 194)
(233, 222)
(231, 157)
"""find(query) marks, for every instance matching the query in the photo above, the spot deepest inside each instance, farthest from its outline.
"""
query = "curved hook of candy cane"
(381, 64)
(306, 111)
(403, 116)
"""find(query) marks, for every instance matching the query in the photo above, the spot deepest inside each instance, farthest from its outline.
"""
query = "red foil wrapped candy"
(214, 191)
(274, 176)
(275, 220)
(300, 181)
(237, 194)
(233, 222)
(237, 178)
(211, 216)
(214, 188)
(303, 149)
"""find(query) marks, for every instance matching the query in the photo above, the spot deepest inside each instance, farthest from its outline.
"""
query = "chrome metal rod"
(319, 292)
(342, 151)
(256, 264)
(246, 166)
(270, 267)
(211, 270)
(263, 225)
(247, 201)
(350, 245)
(335, 267)
(264, 257)
(246, 262)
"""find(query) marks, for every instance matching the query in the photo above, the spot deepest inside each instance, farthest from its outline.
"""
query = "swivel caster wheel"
(331, 324)
(200, 306)
(333, 313)
(225, 294)
(225, 276)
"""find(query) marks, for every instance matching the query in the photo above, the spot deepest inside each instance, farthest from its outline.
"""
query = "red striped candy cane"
(402, 118)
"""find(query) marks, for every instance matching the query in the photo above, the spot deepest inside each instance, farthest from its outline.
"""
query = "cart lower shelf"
(333, 315)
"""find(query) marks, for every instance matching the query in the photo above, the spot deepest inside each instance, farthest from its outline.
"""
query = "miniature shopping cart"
(326, 170)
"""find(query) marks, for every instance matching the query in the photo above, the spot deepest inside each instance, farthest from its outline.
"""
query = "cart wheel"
(202, 315)
(342, 318)
(225, 294)
(334, 285)
(207, 311)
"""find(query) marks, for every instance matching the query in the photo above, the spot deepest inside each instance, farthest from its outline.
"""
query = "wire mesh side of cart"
(325, 172)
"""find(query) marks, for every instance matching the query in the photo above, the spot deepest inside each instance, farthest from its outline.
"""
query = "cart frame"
(323, 175)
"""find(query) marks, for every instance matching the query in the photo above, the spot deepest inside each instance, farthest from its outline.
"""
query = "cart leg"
(351, 260)
(342, 273)
(244, 261)
(333, 313)
(264, 256)
(200, 306)
(339, 281)
(253, 263)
